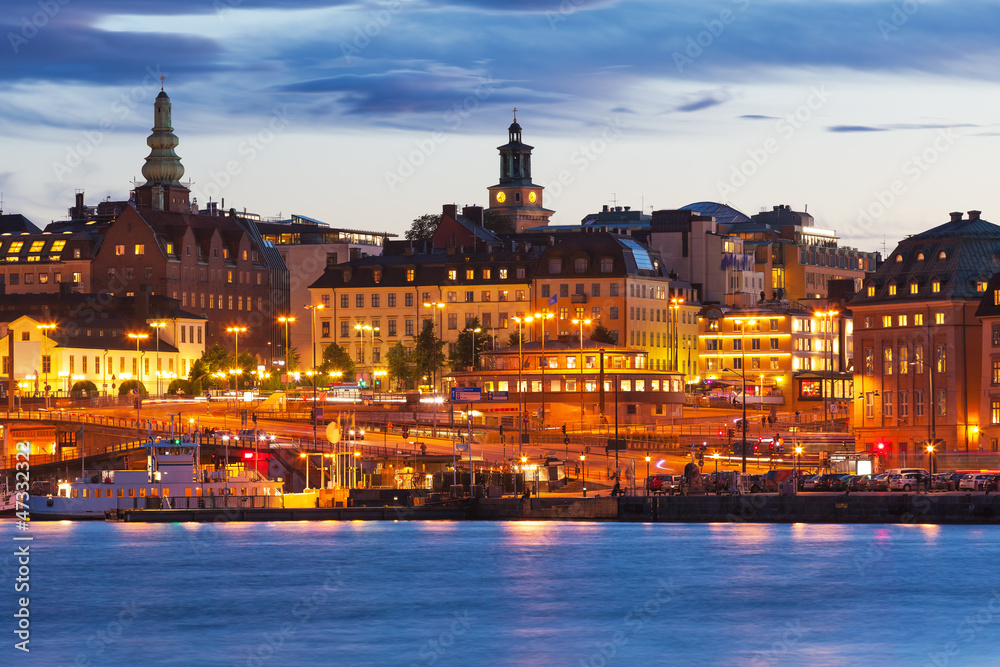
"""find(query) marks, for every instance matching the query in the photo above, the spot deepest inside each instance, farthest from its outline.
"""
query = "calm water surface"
(519, 593)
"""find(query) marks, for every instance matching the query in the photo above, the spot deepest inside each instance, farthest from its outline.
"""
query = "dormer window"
(942, 255)
(871, 290)
(899, 258)
(920, 256)
(580, 265)
(980, 285)
(936, 286)
(892, 289)
(555, 265)
(914, 288)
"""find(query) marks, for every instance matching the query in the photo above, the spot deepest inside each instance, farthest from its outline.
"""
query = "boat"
(171, 480)
(8, 500)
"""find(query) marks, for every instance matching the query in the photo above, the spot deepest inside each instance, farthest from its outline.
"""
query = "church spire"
(163, 170)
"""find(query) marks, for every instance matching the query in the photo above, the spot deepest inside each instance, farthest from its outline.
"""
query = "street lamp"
(138, 367)
(581, 323)
(366, 327)
(675, 305)
(312, 340)
(440, 307)
(286, 320)
(583, 464)
(474, 332)
(236, 331)
(46, 367)
(520, 363)
(648, 458)
(930, 402)
(543, 316)
(157, 326)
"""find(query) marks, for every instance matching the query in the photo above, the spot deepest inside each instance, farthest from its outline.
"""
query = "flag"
(553, 300)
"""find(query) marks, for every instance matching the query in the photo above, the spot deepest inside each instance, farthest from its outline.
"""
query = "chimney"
(956, 216)
(605, 209)
(354, 253)
(474, 213)
(627, 208)
(79, 205)
(142, 302)
(449, 210)
(974, 215)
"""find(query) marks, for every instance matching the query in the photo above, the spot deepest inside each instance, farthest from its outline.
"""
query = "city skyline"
(369, 115)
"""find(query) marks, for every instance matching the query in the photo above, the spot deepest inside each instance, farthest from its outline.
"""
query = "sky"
(880, 117)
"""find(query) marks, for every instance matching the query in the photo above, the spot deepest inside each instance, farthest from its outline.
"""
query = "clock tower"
(515, 197)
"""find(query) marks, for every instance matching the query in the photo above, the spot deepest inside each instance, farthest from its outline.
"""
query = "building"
(797, 258)
(791, 358)
(578, 385)
(307, 246)
(515, 197)
(89, 341)
(919, 345)
(989, 408)
(368, 305)
(614, 280)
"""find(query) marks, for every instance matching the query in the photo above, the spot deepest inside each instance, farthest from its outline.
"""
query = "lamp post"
(583, 464)
(46, 368)
(157, 326)
(440, 308)
(286, 320)
(581, 323)
(795, 465)
(930, 402)
(542, 317)
(236, 331)
(312, 341)
(362, 328)
(648, 458)
(474, 332)
(138, 367)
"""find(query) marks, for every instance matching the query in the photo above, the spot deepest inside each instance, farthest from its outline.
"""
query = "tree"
(601, 334)
(397, 362)
(126, 387)
(81, 386)
(427, 354)
(462, 356)
(514, 338)
(336, 358)
(423, 228)
(498, 223)
(179, 386)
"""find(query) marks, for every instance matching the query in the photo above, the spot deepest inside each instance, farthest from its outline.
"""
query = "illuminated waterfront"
(381, 593)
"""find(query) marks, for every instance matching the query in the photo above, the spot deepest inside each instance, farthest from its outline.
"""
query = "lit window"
(36, 246)
(902, 320)
(899, 258)
(57, 246)
(938, 318)
(920, 256)
(503, 274)
(887, 321)
(119, 250)
(486, 274)
(452, 274)
(936, 286)
(913, 288)
(980, 285)
(140, 249)
(892, 290)
(942, 255)
(410, 275)
(918, 319)
(871, 290)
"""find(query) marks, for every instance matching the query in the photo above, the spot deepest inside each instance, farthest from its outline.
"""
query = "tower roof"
(163, 166)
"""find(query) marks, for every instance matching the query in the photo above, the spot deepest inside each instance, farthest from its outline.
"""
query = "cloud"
(855, 128)
(706, 101)
(757, 116)
(897, 126)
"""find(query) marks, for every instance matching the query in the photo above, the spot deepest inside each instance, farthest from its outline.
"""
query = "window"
(595, 289)
(470, 296)
(774, 343)
(391, 299)
(899, 258)
(941, 358)
(613, 312)
(942, 402)
(345, 301)
(871, 290)
(120, 250)
(901, 320)
(410, 275)
(892, 287)
(555, 265)
(918, 359)
(942, 255)
(938, 318)
(140, 249)
(918, 319)
(408, 327)
(869, 361)
(503, 274)
(914, 288)
(868, 321)
(607, 264)
(613, 289)
(580, 265)
(452, 274)
(486, 295)
(470, 274)
(375, 301)
(408, 300)
(936, 286)
(996, 372)
(325, 329)
(994, 411)
(904, 360)
(995, 332)
(918, 403)
(887, 403)
(486, 274)
(904, 405)
(520, 273)
(452, 320)
(325, 298)
(359, 300)
(887, 361)
(345, 329)
(546, 291)
(870, 404)
(887, 321)
(981, 286)
(519, 295)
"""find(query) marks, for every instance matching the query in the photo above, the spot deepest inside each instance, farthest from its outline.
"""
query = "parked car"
(879, 482)
(992, 483)
(973, 482)
(939, 481)
(859, 482)
(954, 477)
(812, 483)
(908, 481)
(663, 484)
(755, 483)
(840, 483)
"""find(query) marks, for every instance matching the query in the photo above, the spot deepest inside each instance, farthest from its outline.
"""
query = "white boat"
(8, 501)
(171, 480)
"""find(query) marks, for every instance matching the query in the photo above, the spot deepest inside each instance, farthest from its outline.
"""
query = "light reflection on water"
(514, 593)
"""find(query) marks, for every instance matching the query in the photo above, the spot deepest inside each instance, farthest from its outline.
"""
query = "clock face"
(501, 197)
(532, 197)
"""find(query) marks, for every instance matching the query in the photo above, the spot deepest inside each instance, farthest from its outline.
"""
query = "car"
(973, 482)
(992, 483)
(879, 482)
(812, 483)
(755, 483)
(839, 483)
(663, 484)
(251, 434)
(908, 481)
(356, 433)
(859, 483)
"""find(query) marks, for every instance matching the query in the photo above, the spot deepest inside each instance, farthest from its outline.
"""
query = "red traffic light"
(881, 446)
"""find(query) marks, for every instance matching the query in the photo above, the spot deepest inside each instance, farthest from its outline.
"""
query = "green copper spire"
(163, 166)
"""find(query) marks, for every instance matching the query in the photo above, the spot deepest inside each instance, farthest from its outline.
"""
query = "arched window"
(942, 255)
(580, 265)
(920, 256)
(555, 265)
(899, 258)
(607, 264)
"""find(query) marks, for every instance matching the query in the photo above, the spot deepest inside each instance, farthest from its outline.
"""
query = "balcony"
(578, 298)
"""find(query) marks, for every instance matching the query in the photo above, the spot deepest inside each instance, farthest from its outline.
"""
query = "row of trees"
(406, 370)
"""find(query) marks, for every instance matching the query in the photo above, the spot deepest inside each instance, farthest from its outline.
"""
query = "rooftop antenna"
(883, 246)
(1, 203)
(614, 198)
(162, 79)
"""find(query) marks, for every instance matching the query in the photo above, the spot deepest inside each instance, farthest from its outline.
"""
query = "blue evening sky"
(880, 116)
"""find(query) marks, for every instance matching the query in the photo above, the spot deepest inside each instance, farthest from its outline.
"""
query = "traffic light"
(563, 427)
(175, 441)
(501, 430)
(361, 384)
(881, 447)
(720, 432)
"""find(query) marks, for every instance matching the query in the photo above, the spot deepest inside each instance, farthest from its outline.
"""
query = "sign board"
(461, 447)
(618, 444)
(499, 396)
(466, 394)
(333, 432)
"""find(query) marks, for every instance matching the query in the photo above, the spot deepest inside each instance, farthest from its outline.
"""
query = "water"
(519, 593)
